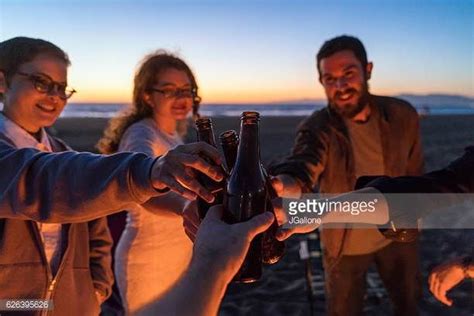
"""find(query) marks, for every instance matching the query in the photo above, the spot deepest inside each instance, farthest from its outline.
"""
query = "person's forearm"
(70, 187)
(198, 293)
(419, 199)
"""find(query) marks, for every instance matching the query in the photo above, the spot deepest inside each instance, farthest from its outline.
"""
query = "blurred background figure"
(153, 250)
(357, 134)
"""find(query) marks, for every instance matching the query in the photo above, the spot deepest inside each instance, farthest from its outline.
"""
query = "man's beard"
(350, 110)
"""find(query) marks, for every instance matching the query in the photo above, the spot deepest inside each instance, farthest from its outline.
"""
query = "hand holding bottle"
(222, 247)
(174, 170)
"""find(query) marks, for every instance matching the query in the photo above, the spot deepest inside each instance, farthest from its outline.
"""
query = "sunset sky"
(253, 51)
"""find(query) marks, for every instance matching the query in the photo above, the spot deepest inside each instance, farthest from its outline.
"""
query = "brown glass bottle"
(246, 193)
(229, 143)
(205, 133)
(272, 248)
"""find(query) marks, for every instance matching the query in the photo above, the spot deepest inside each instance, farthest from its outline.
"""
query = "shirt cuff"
(165, 189)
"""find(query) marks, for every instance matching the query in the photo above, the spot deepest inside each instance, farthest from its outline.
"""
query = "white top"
(154, 250)
(50, 233)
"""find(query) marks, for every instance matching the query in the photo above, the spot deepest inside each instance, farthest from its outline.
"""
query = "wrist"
(211, 276)
(159, 186)
(210, 270)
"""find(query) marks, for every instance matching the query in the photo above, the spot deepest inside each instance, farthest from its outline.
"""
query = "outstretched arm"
(70, 187)
(219, 251)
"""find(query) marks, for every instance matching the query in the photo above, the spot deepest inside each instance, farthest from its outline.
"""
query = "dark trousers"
(398, 267)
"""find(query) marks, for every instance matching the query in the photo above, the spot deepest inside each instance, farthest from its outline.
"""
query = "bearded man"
(357, 134)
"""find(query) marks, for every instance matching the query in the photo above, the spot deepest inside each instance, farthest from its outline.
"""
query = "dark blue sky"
(253, 50)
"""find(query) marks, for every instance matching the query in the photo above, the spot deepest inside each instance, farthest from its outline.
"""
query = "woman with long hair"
(153, 250)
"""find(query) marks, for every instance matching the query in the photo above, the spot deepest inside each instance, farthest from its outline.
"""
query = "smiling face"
(23, 103)
(171, 95)
(345, 82)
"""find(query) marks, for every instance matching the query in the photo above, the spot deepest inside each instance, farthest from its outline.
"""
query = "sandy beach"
(282, 289)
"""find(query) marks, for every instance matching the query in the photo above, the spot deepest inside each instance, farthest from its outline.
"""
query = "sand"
(282, 290)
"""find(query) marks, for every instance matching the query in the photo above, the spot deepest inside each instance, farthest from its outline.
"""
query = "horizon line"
(316, 101)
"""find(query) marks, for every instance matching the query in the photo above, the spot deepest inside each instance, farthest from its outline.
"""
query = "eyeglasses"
(175, 93)
(44, 84)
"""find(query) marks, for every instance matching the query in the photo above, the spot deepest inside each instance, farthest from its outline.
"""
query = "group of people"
(54, 240)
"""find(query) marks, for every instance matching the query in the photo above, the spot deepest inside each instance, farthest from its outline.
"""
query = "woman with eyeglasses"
(153, 250)
(46, 261)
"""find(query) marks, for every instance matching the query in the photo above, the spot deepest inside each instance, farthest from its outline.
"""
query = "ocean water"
(110, 110)
(107, 110)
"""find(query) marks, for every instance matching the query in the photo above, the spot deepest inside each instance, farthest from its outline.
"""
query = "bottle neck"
(248, 155)
(229, 143)
(207, 135)
(230, 154)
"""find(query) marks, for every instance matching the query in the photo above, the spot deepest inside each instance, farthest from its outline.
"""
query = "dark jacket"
(322, 155)
(86, 255)
(456, 178)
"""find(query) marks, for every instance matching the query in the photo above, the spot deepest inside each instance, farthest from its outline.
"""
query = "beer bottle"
(205, 133)
(229, 142)
(246, 193)
(272, 248)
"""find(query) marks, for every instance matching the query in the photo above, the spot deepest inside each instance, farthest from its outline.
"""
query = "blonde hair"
(145, 77)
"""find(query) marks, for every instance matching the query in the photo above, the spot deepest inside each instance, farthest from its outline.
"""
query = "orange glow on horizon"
(122, 96)
(102, 96)
(214, 96)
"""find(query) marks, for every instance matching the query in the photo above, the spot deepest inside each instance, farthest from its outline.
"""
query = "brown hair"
(145, 77)
(341, 43)
(17, 51)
